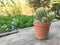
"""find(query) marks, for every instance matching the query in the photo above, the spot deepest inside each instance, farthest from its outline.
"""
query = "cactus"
(50, 17)
(44, 20)
(43, 15)
(41, 12)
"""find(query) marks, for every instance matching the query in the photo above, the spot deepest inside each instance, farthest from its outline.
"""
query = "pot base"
(41, 38)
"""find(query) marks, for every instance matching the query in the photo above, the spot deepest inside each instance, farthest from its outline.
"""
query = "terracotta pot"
(41, 30)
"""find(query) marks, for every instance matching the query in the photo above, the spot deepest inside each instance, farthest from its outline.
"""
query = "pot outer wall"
(41, 30)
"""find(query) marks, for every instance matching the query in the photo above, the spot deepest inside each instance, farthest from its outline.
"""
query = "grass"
(9, 23)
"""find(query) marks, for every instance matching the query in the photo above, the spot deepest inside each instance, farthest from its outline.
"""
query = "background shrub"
(11, 22)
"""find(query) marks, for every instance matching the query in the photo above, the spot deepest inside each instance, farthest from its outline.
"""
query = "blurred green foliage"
(38, 3)
(9, 23)
(10, 7)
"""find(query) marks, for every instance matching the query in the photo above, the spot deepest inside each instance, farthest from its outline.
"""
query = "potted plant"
(43, 22)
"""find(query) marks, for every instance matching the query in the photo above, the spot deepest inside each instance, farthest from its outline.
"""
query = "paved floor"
(26, 37)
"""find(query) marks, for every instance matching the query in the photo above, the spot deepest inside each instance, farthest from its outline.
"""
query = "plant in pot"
(42, 23)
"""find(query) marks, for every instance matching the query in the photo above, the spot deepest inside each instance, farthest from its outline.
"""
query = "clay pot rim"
(43, 23)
